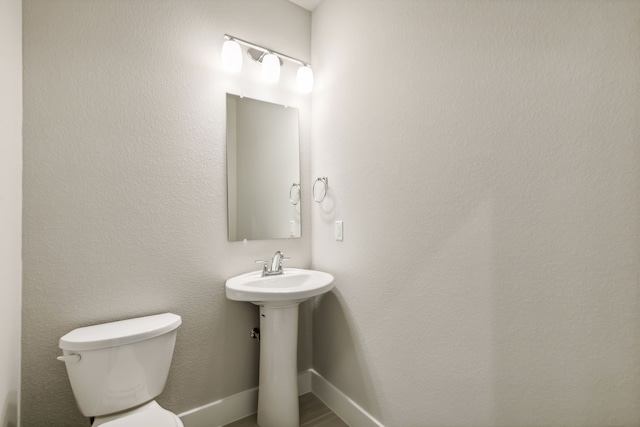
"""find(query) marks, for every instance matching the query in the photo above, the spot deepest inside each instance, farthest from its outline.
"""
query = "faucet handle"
(264, 264)
(280, 267)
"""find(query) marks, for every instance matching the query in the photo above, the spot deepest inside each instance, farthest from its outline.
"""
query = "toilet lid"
(155, 416)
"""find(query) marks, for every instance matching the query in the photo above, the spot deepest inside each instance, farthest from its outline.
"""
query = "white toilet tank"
(119, 365)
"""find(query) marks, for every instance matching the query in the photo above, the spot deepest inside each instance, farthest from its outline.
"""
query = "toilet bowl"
(117, 369)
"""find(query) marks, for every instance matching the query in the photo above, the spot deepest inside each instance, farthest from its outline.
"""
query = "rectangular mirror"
(263, 170)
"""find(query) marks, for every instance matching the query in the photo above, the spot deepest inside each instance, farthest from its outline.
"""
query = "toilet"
(117, 369)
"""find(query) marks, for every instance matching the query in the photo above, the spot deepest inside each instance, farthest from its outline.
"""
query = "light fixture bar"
(264, 49)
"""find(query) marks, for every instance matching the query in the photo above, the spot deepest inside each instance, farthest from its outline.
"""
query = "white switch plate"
(292, 228)
(339, 230)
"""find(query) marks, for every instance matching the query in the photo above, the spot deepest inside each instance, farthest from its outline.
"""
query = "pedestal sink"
(278, 297)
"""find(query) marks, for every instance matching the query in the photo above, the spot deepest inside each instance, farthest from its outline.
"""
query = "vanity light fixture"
(270, 68)
(271, 62)
(231, 56)
(305, 79)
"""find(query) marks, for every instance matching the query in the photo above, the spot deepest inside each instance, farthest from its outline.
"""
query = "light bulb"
(270, 68)
(305, 79)
(231, 56)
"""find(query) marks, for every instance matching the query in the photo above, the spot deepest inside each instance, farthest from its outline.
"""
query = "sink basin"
(293, 285)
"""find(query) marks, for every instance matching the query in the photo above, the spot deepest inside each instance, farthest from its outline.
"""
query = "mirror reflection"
(263, 170)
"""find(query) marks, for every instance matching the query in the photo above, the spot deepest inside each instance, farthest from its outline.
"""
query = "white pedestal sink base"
(278, 296)
(278, 388)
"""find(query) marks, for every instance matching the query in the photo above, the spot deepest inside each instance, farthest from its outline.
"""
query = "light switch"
(292, 228)
(338, 232)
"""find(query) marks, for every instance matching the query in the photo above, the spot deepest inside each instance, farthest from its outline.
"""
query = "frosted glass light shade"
(271, 68)
(231, 56)
(305, 79)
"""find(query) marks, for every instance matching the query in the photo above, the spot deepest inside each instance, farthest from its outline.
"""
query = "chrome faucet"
(276, 264)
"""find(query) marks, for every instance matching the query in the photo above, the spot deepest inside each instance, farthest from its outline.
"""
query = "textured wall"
(125, 185)
(10, 206)
(485, 159)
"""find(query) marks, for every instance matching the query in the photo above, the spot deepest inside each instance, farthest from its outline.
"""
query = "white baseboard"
(243, 404)
(341, 404)
(223, 411)
(304, 381)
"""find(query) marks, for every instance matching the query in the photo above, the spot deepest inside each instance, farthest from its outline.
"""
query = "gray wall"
(125, 185)
(485, 159)
(10, 206)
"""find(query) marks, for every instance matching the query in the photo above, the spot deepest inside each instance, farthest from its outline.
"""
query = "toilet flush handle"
(70, 358)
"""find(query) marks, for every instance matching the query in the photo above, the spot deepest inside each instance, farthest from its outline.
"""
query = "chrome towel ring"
(323, 191)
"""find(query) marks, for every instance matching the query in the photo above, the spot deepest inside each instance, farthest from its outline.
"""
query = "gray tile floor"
(313, 413)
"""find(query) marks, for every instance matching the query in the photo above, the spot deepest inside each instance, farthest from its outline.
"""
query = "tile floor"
(313, 413)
